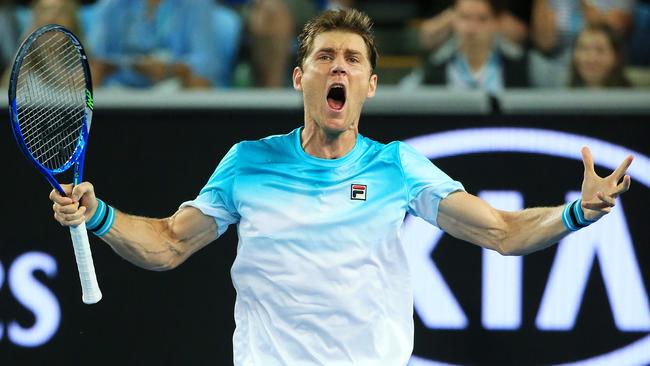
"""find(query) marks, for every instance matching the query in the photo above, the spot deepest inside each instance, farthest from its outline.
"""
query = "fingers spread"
(601, 202)
(623, 187)
(609, 200)
(587, 160)
(622, 169)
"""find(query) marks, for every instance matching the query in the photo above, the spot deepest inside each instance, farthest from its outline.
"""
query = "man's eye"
(353, 60)
(325, 57)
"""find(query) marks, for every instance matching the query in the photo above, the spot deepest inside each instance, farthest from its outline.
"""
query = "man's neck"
(320, 144)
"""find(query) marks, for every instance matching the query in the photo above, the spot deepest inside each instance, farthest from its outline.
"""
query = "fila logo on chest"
(358, 192)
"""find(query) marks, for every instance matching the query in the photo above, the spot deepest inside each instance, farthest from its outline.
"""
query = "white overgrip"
(90, 288)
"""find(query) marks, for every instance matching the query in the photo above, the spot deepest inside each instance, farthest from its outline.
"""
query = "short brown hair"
(351, 20)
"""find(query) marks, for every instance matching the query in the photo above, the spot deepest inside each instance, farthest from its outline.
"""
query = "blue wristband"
(94, 221)
(102, 220)
(573, 217)
(577, 209)
(108, 223)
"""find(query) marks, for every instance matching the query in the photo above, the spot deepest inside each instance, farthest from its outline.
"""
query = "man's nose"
(339, 67)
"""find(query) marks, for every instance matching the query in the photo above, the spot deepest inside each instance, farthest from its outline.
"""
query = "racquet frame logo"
(89, 99)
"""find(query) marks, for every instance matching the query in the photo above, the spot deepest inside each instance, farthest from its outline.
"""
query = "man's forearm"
(532, 229)
(472, 219)
(160, 244)
(142, 241)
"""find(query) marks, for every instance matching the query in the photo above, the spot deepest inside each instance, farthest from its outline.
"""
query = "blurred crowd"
(463, 44)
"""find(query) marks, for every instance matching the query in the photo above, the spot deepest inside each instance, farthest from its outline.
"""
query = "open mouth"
(336, 97)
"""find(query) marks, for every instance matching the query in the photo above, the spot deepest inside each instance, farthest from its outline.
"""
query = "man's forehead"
(339, 41)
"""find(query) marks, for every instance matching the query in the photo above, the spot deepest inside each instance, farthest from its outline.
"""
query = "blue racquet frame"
(81, 245)
(77, 158)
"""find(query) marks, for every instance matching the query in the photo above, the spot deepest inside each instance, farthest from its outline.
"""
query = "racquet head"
(50, 101)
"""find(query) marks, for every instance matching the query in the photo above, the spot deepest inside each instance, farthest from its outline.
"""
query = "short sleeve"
(216, 197)
(426, 184)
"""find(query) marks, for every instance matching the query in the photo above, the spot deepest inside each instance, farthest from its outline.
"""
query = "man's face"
(474, 23)
(335, 80)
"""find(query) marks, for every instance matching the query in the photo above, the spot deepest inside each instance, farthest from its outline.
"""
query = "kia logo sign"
(607, 243)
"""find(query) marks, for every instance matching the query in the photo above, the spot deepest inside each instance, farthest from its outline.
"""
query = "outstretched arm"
(469, 218)
(155, 244)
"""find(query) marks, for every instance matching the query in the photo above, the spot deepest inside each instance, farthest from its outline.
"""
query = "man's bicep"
(192, 227)
(467, 217)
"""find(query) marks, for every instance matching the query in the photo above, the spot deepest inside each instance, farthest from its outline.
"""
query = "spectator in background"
(8, 33)
(273, 25)
(475, 57)
(598, 59)
(434, 31)
(162, 43)
(555, 26)
(62, 12)
(639, 52)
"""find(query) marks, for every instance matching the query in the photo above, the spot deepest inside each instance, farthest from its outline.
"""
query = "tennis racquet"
(51, 104)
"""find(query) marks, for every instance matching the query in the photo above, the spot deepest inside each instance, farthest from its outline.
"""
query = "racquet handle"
(90, 288)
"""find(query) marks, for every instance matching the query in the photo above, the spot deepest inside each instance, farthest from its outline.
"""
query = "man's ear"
(372, 86)
(297, 78)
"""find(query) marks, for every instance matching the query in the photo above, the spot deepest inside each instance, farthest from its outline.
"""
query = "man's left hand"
(599, 194)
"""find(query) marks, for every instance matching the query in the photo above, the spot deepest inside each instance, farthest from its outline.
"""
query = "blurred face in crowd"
(475, 23)
(594, 57)
(335, 79)
(62, 12)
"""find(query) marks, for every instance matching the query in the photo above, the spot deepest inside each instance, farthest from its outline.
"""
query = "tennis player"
(321, 275)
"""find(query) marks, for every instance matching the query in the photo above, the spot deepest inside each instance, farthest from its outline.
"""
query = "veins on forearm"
(533, 229)
(145, 242)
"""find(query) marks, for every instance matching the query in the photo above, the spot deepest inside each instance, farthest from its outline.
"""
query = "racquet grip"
(90, 288)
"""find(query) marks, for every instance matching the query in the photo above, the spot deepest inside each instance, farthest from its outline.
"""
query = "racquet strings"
(50, 99)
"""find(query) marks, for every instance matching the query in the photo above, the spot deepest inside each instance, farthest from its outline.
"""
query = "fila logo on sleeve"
(358, 192)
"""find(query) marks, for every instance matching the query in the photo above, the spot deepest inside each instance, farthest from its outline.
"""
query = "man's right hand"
(77, 206)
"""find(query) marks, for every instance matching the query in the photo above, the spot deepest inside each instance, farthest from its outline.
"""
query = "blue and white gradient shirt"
(321, 274)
